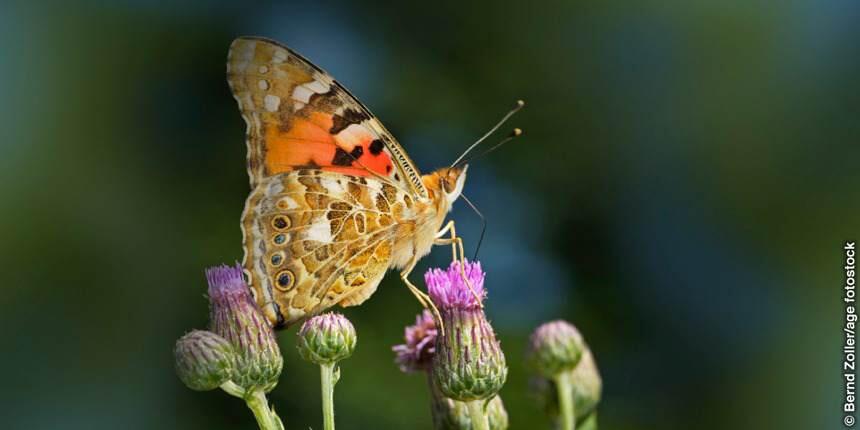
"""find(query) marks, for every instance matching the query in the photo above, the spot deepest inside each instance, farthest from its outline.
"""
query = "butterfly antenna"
(514, 134)
(510, 113)
(483, 224)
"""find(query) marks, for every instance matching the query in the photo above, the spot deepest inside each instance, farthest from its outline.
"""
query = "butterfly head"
(445, 185)
(451, 180)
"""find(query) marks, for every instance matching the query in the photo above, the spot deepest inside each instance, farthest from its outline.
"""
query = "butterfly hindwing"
(298, 117)
(315, 238)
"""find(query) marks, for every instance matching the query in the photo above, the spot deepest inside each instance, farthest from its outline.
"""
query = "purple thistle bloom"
(448, 290)
(235, 316)
(224, 279)
(468, 363)
(417, 353)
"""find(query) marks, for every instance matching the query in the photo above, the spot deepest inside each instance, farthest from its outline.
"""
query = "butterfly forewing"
(298, 116)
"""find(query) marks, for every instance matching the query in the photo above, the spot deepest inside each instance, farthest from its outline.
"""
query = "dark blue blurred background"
(686, 177)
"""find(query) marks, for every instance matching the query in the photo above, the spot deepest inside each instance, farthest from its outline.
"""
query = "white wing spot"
(272, 102)
(275, 188)
(320, 231)
(263, 85)
(302, 94)
(297, 106)
(332, 185)
(263, 69)
(290, 203)
(279, 56)
(317, 87)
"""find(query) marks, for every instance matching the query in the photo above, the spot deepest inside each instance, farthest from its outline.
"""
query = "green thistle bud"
(234, 315)
(554, 347)
(469, 363)
(204, 360)
(326, 339)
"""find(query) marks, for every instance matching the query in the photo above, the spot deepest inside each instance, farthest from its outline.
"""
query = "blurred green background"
(687, 175)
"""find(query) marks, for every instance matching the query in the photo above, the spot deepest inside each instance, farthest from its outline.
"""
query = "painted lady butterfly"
(335, 200)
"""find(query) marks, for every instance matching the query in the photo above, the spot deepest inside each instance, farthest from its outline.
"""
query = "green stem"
(565, 401)
(479, 418)
(266, 417)
(234, 390)
(327, 381)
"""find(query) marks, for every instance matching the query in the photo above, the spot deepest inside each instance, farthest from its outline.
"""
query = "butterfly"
(335, 200)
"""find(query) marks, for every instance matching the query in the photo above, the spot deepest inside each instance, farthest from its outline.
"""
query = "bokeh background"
(687, 176)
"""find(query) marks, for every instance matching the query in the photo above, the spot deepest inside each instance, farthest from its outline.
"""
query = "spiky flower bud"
(234, 315)
(554, 347)
(326, 339)
(417, 353)
(469, 363)
(204, 360)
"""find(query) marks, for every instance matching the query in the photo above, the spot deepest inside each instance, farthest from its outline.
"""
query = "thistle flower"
(448, 290)
(569, 385)
(234, 315)
(417, 353)
(326, 339)
(554, 347)
(204, 360)
(469, 364)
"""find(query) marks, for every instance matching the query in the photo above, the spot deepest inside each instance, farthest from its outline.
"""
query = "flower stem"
(565, 400)
(266, 417)
(479, 418)
(327, 381)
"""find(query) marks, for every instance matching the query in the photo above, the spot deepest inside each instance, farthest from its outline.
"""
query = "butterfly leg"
(439, 235)
(456, 243)
(422, 297)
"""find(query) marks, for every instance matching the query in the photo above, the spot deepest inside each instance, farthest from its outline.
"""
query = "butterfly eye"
(277, 259)
(284, 280)
(279, 239)
(444, 183)
(280, 222)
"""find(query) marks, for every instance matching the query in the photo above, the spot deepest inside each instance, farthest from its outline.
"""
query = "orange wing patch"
(308, 143)
(299, 117)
